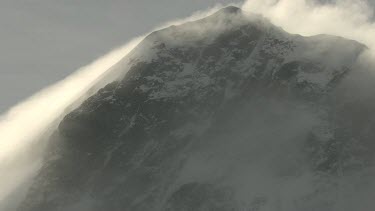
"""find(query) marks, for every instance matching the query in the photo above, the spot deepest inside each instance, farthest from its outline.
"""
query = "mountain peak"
(229, 86)
(230, 10)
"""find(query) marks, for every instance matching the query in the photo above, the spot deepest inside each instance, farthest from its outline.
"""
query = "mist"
(351, 19)
(25, 127)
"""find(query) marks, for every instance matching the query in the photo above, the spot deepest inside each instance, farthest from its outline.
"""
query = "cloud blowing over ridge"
(351, 19)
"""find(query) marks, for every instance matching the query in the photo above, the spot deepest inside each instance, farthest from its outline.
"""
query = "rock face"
(225, 113)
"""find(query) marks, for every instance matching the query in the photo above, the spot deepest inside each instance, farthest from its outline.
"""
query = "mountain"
(225, 113)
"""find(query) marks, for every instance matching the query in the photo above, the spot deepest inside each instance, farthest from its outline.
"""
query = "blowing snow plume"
(23, 127)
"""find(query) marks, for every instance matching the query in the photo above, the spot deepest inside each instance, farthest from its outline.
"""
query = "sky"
(43, 41)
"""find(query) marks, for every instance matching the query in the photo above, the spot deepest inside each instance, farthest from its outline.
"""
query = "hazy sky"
(41, 41)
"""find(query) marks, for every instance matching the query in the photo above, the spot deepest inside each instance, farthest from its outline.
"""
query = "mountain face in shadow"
(225, 113)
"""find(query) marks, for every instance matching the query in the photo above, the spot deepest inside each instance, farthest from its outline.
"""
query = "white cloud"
(346, 18)
(23, 125)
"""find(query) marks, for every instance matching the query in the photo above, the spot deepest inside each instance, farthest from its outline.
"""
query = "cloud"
(22, 127)
(351, 19)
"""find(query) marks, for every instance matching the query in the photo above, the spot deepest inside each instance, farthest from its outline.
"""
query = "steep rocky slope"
(225, 113)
